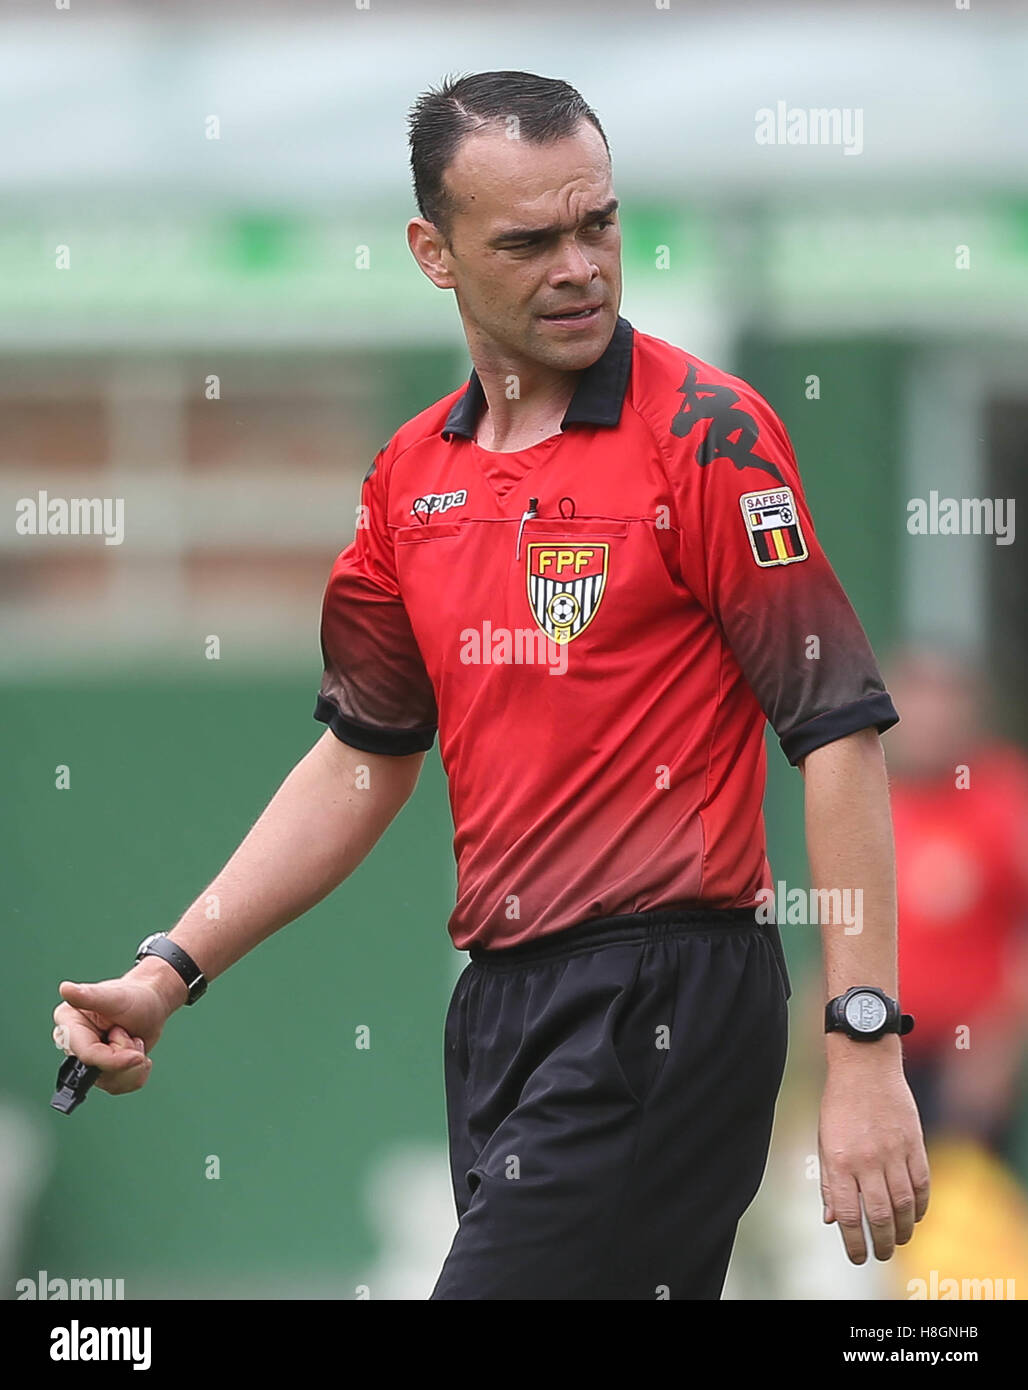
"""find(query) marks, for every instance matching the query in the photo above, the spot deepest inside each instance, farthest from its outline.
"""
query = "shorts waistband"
(626, 928)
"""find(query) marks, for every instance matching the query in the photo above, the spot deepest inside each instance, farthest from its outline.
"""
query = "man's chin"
(572, 349)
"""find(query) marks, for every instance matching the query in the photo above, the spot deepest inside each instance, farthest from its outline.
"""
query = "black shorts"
(610, 1093)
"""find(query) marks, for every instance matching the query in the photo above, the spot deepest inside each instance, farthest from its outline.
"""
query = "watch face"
(147, 940)
(865, 1012)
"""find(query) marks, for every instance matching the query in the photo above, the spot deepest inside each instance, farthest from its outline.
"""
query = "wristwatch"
(159, 944)
(866, 1013)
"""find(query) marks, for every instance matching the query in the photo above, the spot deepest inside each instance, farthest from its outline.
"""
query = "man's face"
(535, 234)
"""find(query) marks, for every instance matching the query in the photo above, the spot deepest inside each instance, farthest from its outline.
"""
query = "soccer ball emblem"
(563, 610)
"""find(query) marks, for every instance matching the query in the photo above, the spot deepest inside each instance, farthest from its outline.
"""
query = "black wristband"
(161, 945)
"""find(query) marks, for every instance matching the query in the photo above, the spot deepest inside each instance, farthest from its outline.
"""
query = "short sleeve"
(750, 554)
(375, 692)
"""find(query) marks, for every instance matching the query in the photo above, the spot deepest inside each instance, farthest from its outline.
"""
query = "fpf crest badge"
(773, 526)
(565, 586)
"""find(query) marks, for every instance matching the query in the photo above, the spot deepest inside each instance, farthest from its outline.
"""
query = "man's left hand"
(871, 1149)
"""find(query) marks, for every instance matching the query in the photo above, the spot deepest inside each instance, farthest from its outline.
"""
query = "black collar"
(598, 396)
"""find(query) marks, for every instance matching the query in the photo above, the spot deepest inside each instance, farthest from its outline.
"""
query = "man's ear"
(429, 248)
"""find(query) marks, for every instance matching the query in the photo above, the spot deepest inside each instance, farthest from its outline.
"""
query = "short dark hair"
(546, 109)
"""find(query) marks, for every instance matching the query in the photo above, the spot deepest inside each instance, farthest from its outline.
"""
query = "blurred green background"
(165, 780)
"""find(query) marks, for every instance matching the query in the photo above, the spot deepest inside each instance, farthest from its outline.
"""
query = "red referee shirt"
(599, 666)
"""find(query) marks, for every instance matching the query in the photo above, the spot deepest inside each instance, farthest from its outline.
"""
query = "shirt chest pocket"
(443, 568)
(424, 532)
(577, 529)
(547, 575)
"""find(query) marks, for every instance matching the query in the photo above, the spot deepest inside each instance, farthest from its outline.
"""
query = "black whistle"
(73, 1082)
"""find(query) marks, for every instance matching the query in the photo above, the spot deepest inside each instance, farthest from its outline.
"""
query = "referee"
(592, 572)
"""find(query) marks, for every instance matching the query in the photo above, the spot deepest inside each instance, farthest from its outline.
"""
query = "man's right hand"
(132, 1012)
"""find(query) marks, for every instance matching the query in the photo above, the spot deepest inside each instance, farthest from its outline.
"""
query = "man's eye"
(534, 245)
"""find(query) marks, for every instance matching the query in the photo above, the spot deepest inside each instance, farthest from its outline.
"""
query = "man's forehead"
(494, 175)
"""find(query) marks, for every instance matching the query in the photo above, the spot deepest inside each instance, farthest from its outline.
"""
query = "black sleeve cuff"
(395, 742)
(875, 711)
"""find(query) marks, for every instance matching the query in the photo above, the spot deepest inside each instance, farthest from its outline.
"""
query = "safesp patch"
(773, 526)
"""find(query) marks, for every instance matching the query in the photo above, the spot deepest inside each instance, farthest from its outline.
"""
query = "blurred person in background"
(960, 815)
(960, 810)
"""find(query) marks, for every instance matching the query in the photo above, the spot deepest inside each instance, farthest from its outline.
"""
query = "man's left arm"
(870, 1140)
(750, 555)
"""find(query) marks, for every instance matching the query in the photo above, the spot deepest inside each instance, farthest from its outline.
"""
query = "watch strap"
(180, 961)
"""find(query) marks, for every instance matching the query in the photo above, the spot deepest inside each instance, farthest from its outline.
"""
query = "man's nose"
(573, 266)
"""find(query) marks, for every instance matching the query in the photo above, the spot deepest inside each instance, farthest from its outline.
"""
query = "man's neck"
(524, 405)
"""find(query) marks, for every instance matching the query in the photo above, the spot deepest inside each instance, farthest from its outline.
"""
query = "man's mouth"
(570, 315)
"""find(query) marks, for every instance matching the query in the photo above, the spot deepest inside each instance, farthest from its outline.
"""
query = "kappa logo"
(773, 526)
(438, 502)
(709, 400)
(565, 586)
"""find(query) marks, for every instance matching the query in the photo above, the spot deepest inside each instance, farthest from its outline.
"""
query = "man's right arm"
(321, 823)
